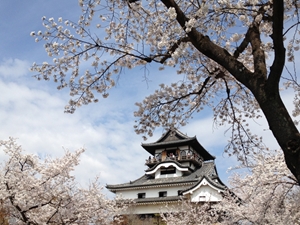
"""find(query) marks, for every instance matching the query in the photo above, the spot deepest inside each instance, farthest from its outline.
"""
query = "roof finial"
(172, 129)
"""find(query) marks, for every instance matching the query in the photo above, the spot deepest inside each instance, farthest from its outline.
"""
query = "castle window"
(202, 198)
(171, 154)
(183, 155)
(170, 170)
(162, 194)
(141, 195)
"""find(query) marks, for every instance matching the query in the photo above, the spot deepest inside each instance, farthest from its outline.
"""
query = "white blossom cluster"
(110, 36)
(269, 194)
(44, 192)
(191, 214)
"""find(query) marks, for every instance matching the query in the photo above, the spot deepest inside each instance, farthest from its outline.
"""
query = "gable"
(204, 191)
(172, 135)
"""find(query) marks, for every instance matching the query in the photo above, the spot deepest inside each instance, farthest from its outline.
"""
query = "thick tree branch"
(36, 206)
(242, 46)
(260, 68)
(277, 36)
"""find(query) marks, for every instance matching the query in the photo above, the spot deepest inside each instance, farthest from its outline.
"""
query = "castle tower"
(178, 168)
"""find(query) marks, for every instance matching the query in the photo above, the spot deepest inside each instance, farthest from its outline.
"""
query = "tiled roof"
(208, 170)
(173, 134)
(170, 142)
(157, 199)
(174, 138)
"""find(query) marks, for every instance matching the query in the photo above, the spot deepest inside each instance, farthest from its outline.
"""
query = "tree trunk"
(283, 129)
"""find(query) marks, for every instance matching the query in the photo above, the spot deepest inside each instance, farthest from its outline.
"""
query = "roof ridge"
(173, 130)
(131, 182)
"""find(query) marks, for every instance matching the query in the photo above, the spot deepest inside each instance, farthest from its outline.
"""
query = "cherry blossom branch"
(173, 48)
(211, 50)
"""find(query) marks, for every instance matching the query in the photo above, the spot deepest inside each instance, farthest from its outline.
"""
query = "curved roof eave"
(114, 188)
(155, 200)
(177, 165)
(179, 141)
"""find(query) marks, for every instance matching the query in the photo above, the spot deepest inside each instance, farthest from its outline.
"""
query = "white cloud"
(34, 115)
(13, 68)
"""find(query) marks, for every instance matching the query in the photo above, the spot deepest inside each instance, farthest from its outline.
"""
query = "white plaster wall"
(158, 175)
(153, 208)
(150, 193)
(188, 164)
(206, 193)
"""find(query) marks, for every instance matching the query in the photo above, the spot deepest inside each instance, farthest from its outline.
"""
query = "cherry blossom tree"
(267, 194)
(235, 57)
(192, 214)
(44, 192)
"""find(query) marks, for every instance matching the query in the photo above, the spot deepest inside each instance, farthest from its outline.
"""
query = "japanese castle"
(178, 168)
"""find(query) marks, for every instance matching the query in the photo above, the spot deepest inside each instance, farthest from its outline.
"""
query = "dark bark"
(268, 97)
(280, 122)
(264, 88)
(283, 129)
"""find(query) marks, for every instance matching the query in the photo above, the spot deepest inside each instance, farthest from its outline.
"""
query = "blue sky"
(32, 110)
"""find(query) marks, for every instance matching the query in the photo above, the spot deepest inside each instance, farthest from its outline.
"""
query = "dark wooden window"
(141, 195)
(162, 194)
(183, 155)
(170, 170)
